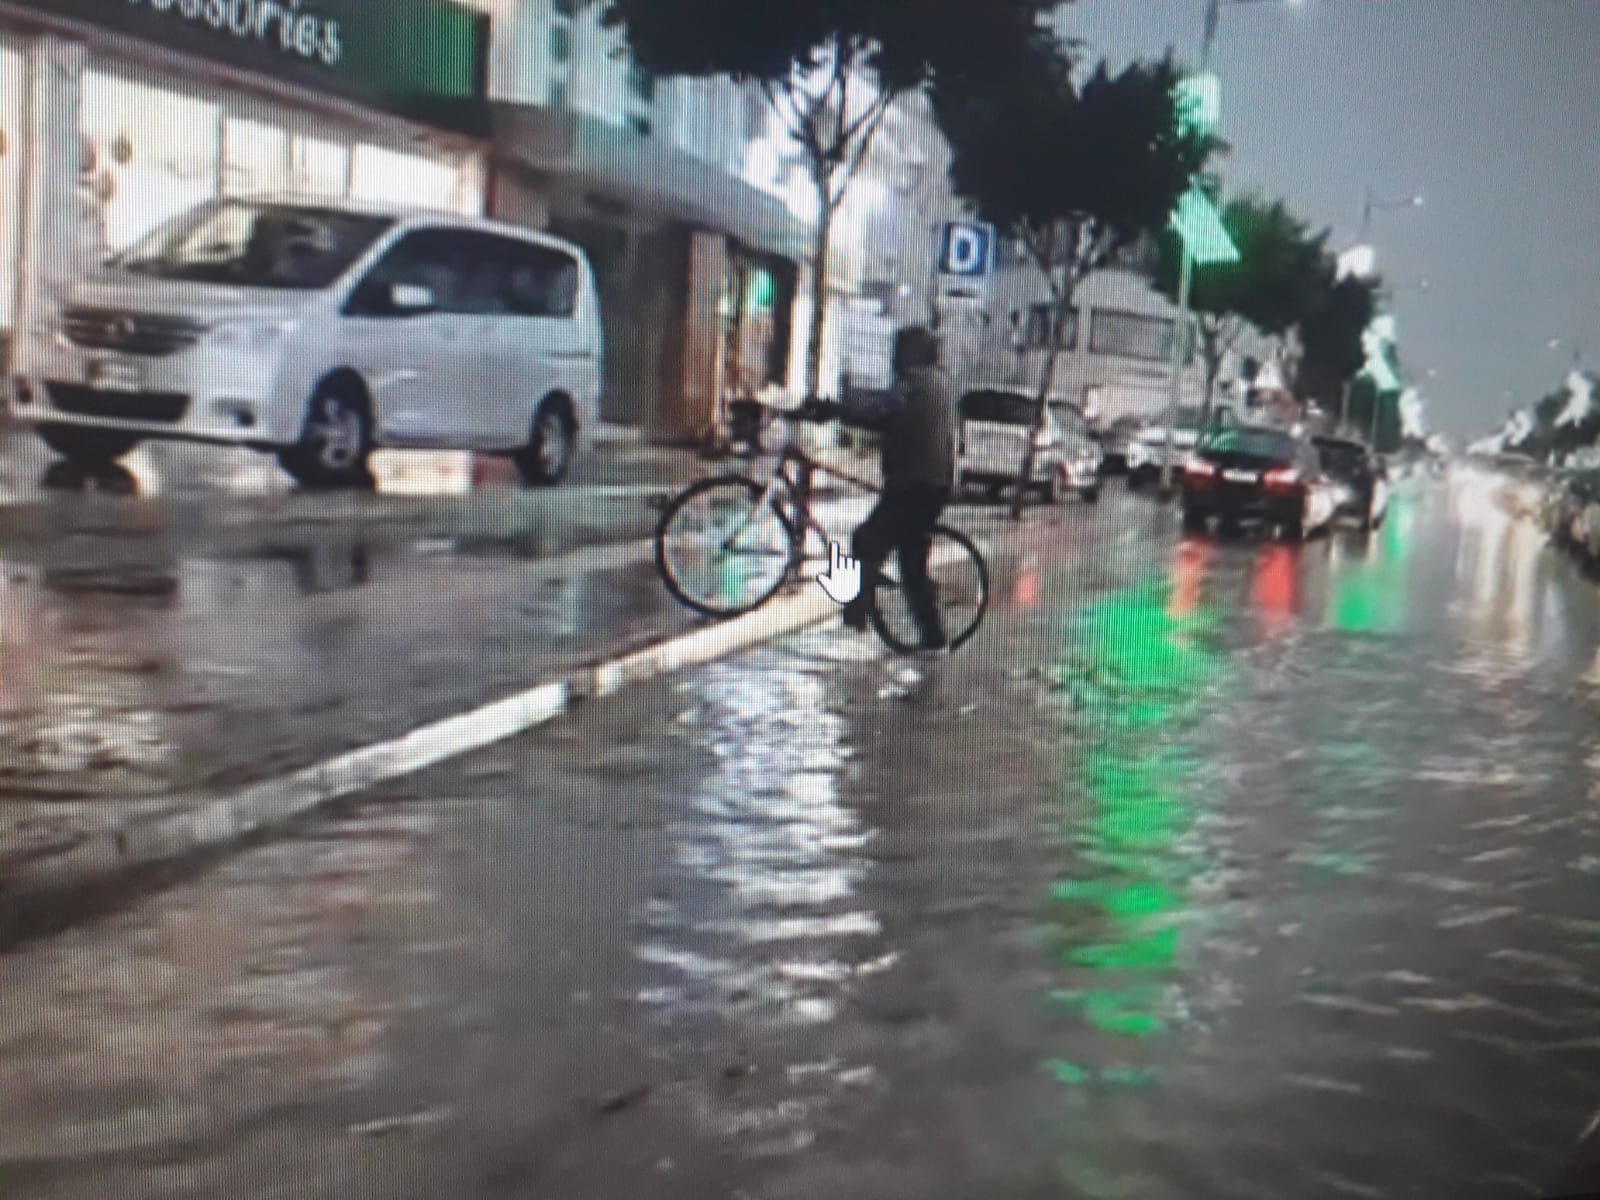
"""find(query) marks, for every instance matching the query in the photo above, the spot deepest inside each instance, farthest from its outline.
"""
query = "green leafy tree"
(832, 70)
(1337, 314)
(1077, 174)
(1270, 288)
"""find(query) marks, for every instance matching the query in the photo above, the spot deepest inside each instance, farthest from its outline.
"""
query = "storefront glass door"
(386, 176)
(13, 146)
(255, 157)
(318, 167)
(156, 153)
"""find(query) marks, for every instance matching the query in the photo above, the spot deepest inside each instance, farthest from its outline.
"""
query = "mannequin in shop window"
(92, 243)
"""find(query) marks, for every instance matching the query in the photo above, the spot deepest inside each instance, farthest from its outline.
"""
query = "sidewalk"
(138, 696)
(230, 501)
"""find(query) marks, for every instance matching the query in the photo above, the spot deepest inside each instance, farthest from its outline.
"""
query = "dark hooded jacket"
(915, 417)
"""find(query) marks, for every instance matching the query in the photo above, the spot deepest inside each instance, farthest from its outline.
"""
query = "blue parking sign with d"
(966, 249)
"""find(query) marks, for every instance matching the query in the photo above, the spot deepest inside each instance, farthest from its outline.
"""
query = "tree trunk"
(1047, 379)
(1213, 353)
(819, 292)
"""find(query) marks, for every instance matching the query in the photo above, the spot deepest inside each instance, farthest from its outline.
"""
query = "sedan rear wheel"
(1058, 487)
(1294, 530)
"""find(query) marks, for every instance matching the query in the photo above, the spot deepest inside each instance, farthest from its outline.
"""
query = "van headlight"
(249, 336)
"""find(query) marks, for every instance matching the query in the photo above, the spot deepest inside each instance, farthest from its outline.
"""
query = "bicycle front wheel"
(721, 550)
(961, 594)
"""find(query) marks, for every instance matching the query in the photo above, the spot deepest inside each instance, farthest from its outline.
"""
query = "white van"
(318, 331)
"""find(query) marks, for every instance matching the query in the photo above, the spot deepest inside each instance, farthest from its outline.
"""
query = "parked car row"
(1297, 486)
(1230, 474)
(1569, 511)
(994, 428)
(1145, 444)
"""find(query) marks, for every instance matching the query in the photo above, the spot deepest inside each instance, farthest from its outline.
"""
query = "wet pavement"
(128, 680)
(208, 500)
(1207, 870)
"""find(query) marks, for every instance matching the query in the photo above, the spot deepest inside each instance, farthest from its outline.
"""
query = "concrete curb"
(190, 825)
(49, 893)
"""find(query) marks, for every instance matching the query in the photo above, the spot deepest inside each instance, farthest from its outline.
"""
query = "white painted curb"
(195, 823)
(202, 822)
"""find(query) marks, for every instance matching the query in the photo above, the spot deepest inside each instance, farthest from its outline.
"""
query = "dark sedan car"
(1264, 476)
(1363, 479)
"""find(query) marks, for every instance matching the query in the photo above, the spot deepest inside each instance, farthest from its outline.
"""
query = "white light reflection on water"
(762, 915)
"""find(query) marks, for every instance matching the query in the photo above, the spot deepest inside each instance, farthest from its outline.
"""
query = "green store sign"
(424, 59)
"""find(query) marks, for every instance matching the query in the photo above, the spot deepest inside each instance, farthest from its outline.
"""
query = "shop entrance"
(13, 142)
(154, 152)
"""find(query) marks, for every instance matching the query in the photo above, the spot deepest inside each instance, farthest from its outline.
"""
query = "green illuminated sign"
(1199, 224)
(763, 292)
(1199, 103)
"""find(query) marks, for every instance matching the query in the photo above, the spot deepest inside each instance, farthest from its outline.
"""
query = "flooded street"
(1209, 869)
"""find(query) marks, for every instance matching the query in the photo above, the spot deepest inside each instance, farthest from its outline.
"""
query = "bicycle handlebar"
(812, 410)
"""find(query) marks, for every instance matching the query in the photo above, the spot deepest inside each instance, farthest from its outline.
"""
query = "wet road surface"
(1208, 870)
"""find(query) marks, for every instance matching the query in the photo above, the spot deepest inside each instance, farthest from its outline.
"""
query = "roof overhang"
(648, 175)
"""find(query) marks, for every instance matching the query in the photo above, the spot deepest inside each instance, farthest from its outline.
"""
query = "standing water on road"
(404, 405)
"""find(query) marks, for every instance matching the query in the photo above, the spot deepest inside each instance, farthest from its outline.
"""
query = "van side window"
(481, 291)
(438, 259)
(540, 281)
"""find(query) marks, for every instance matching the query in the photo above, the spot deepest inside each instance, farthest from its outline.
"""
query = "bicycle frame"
(792, 479)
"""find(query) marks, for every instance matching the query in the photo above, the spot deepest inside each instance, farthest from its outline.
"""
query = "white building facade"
(694, 203)
(116, 117)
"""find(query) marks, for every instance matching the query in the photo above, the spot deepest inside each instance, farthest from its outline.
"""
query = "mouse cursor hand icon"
(842, 579)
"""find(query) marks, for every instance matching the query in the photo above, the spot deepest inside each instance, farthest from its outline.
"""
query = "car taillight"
(1199, 468)
(1281, 479)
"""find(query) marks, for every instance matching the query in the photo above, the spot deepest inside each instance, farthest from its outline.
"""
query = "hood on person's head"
(915, 346)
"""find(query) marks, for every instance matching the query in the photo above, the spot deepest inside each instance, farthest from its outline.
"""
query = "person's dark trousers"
(902, 523)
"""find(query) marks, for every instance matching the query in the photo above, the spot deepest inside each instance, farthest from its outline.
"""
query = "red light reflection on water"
(1275, 588)
(1189, 568)
(1025, 591)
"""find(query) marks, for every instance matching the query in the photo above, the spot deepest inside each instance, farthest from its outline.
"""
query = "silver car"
(995, 426)
(1147, 449)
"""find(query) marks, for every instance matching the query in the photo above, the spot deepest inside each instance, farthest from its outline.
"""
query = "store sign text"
(282, 21)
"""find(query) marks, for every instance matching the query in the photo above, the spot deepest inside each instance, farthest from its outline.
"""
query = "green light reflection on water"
(1142, 669)
(1372, 595)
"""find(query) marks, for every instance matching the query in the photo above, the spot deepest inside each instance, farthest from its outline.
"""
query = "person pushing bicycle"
(915, 421)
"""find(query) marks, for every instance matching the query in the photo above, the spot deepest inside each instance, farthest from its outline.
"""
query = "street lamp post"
(1214, 18)
(1577, 350)
(1372, 204)
(1180, 331)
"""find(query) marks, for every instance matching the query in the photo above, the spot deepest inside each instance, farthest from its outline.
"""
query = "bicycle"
(728, 544)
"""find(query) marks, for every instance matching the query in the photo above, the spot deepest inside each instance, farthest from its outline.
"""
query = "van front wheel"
(547, 457)
(335, 441)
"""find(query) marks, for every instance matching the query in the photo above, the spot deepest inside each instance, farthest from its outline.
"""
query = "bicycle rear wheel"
(720, 550)
(961, 589)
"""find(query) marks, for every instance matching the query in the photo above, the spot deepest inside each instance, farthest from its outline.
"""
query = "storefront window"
(156, 153)
(560, 43)
(12, 141)
(387, 176)
(317, 167)
(255, 158)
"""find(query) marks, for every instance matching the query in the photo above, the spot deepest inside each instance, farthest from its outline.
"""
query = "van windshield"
(1000, 408)
(249, 244)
